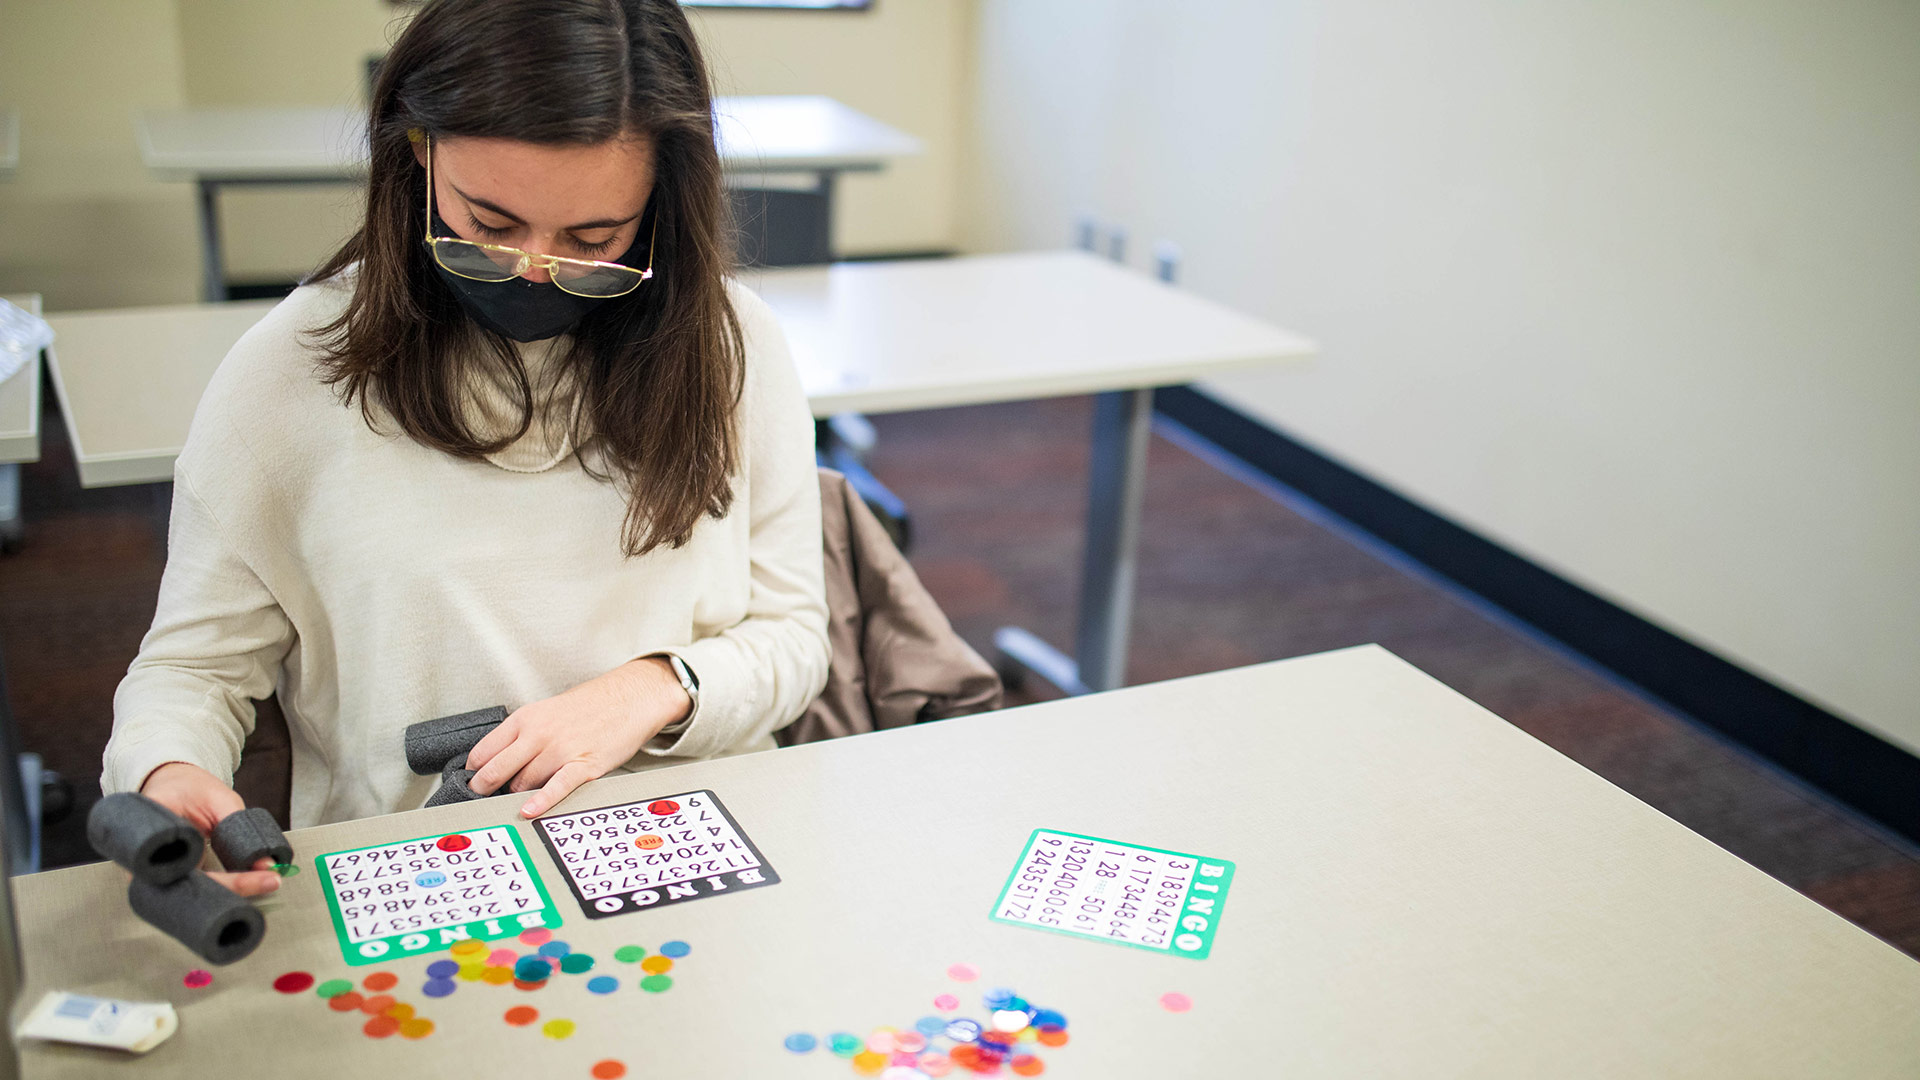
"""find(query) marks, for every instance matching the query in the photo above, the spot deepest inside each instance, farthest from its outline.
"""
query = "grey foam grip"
(431, 744)
(456, 786)
(244, 838)
(153, 842)
(214, 923)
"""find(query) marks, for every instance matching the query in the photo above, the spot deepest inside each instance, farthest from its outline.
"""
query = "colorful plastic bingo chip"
(963, 973)
(197, 978)
(502, 958)
(656, 965)
(997, 998)
(654, 984)
(555, 949)
(400, 1010)
(602, 984)
(333, 988)
(675, 949)
(881, 1041)
(934, 1063)
(522, 1015)
(438, 988)
(293, 982)
(467, 947)
(842, 1044)
(1048, 1018)
(1009, 1020)
(1174, 1001)
(702, 852)
(576, 963)
(443, 969)
(344, 1002)
(608, 1070)
(868, 1063)
(629, 954)
(456, 842)
(963, 1031)
(930, 1026)
(801, 1043)
(537, 936)
(380, 1027)
(379, 981)
(1052, 1036)
(416, 1028)
(1027, 1065)
(377, 1004)
(557, 1029)
(532, 969)
(909, 1042)
(497, 976)
(946, 1003)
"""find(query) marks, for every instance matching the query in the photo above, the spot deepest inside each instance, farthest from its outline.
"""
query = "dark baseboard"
(1854, 766)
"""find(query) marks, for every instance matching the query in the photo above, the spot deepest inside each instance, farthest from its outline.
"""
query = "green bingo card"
(419, 896)
(1149, 898)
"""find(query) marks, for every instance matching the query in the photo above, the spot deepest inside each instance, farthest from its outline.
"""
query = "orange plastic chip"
(381, 1026)
(376, 1004)
(380, 980)
(416, 1028)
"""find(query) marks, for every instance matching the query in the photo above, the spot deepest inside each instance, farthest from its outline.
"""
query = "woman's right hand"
(200, 797)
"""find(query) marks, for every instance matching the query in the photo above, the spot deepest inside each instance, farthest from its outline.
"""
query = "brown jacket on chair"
(896, 659)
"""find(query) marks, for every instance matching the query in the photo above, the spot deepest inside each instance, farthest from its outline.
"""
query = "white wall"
(78, 70)
(1631, 287)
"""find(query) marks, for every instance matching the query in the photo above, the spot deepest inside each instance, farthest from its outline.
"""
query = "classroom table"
(19, 430)
(215, 148)
(1417, 889)
(867, 337)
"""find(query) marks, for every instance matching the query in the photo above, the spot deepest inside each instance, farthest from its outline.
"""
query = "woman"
(518, 442)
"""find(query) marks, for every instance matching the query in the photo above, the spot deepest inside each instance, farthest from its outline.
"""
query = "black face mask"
(520, 309)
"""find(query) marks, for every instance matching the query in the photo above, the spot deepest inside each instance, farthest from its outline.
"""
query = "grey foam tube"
(218, 925)
(456, 786)
(151, 841)
(431, 744)
(244, 838)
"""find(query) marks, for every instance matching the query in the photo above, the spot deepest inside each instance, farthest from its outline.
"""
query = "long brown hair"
(658, 372)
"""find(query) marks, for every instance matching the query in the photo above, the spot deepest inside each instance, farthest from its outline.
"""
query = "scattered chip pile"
(386, 1015)
(1010, 1038)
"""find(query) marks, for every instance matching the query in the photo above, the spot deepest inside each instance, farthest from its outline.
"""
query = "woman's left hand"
(566, 740)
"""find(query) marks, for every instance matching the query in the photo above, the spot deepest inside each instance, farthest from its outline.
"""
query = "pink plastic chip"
(963, 972)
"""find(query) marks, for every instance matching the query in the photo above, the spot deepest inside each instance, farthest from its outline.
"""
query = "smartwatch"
(691, 684)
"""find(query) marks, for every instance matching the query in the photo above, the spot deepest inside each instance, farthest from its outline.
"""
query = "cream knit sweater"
(375, 582)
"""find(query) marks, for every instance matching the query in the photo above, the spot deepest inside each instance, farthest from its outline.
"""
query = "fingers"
(503, 765)
(248, 883)
(495, 741)
(559, 786)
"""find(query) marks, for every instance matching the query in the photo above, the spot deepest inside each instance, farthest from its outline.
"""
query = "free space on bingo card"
(1149, 898)
(654, 852)
(417, 896)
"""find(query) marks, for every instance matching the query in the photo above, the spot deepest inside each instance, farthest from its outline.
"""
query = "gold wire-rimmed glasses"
(476, 261)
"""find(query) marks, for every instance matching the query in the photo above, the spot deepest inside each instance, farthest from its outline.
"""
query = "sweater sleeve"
(216, 645)
(761, 673)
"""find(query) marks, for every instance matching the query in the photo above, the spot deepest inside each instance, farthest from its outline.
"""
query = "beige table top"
(1422, 890)
(798, 132)
(871, 337)
(20, 402)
